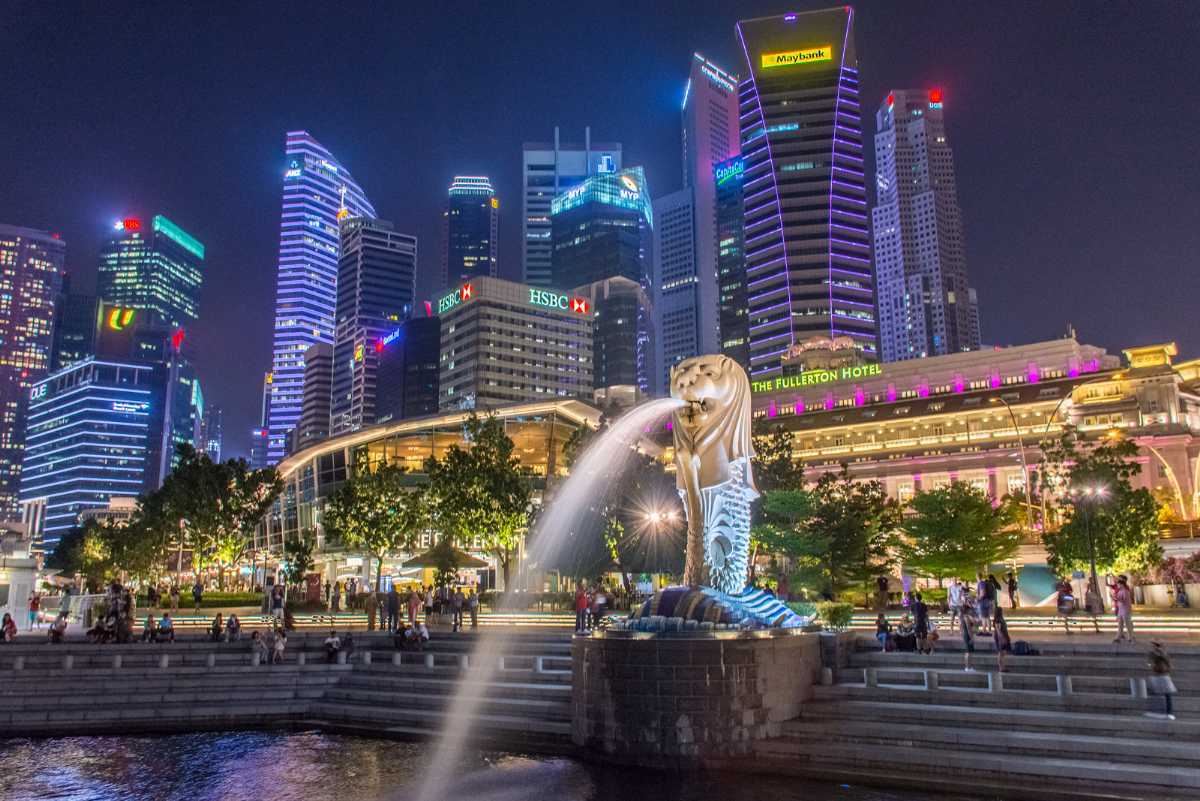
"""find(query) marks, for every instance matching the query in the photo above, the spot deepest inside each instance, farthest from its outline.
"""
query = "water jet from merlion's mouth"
(591, 476)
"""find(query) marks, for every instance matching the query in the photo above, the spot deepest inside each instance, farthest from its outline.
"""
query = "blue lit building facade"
(317, 193)
(406, 373)
(732, 303)
(31, 269)
(807, 246)
(471, 234)
(160, 269)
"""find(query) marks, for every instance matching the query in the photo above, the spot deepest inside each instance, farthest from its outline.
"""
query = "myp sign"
(553, 300)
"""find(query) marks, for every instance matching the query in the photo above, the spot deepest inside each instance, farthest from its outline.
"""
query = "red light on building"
(579, 305)
(428, 308)
(132, 224)
(379, 346)
(177, 339)
(465, 292)
(891, 100)
(56, 236)
(935, 95)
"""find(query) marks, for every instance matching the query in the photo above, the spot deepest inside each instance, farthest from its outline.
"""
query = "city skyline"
(1051, 244)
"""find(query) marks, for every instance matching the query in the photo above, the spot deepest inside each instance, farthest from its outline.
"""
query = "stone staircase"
(81, 688)
(1074, 712)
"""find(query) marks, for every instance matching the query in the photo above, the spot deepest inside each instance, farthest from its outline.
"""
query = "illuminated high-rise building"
(376, 286)
(158, 267)
(807, 247)
(470, 240)
(603, 229)
(318, 391)
(210, 440)
(926, 306)
(31, 269)
(733, 309)
(317, 193)
(550, 168)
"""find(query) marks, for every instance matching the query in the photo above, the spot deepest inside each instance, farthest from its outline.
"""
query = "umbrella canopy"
(430, 559)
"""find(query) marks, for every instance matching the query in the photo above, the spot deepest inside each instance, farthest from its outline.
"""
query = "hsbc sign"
(553, 300)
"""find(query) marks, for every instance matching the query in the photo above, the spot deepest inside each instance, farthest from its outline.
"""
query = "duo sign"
(810, 377)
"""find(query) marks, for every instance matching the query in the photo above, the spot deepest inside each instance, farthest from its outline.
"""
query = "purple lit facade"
(807, 245)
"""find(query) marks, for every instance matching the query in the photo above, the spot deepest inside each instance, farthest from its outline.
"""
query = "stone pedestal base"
(674, 700)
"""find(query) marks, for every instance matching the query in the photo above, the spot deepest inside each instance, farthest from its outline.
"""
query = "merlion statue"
(713, 452)
(713, 449)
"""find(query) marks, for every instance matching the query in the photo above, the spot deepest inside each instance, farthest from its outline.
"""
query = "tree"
(849, 534)
(1121, 523)
(375, 512)
(955, 531)
(774, 465)
(482, 490)
(778, 515)
(298, 558)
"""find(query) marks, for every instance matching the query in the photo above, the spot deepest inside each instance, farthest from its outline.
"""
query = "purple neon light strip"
(833, 150)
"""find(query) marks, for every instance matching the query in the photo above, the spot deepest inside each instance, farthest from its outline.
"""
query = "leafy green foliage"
(376, 512)
(774, 466)
(481, 490)
(835, 615)
(298, 558)
(955, 531)
(848, 536)
(1122, 522)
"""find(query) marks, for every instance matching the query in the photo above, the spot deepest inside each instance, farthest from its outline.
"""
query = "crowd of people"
(591, 604)
(439, 605)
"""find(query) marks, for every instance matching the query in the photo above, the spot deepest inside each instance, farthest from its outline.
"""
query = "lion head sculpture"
(713, 428)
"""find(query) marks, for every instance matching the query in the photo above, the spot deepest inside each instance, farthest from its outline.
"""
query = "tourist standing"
(954, 596)
(175, 597)
(473, 605)
(337, 596)
(414, 604)
(581, 609)
(152, 596)
(456, 608)
(984, 595)
(1122, 597)
(968, 636)
(35, 605)
(429, 604)
(1011, 581)
(597, 606)
(393, 609)
(920, 612)
(371, 605)
(327, 589)
(197, 593)
(1001, 640)
(1159, 682)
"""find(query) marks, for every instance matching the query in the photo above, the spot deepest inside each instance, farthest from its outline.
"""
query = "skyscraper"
(732, 304)
(926, 307)
(470, 242)
(31, 269)
(317, 193)
(550, 168)
(376, 285)
(603, 229)
(808, 252)
(407, 370)
(160, 269)
(210, 432)
(318, 391)
(681, 319)
(75, 327)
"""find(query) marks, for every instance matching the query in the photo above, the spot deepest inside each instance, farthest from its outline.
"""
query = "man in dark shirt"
(920, 613)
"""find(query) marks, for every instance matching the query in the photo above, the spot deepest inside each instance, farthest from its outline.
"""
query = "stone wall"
(655, 699)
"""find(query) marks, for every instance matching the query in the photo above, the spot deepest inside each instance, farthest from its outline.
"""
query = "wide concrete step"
(1122, 774)
(898, 715)
(455, 672)
(1007, 699)
(444, 686)
(1078, 744)
(72, 682)
(151, 699)
(1082, 646)
(544, 709)
(433, 721)
(171, 717)
(1187, 671)
(983, 678)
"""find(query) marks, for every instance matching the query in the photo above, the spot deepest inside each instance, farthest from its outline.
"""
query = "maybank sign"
(811, 377)
(793, 57)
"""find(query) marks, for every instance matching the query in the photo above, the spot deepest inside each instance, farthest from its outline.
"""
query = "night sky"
(1073, 125)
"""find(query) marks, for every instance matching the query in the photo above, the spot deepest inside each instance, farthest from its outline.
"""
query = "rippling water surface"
(273, 766)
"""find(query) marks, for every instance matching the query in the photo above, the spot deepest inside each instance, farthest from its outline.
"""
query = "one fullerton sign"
(791, 58)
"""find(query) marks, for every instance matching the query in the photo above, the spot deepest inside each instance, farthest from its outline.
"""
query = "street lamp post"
(1024, 462)
(1087, 495)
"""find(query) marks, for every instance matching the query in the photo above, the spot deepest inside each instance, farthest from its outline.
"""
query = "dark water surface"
(310, 766)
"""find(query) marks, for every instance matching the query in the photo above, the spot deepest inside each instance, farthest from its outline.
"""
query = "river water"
(310, 766)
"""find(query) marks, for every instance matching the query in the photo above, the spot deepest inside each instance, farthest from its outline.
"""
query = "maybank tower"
(807, 241)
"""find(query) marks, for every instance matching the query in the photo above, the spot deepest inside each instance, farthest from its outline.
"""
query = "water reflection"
(276, 766)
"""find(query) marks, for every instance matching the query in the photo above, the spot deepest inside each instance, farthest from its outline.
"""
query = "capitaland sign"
(811, 377)
(728, 170)
(553, 300)
(790, 58)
